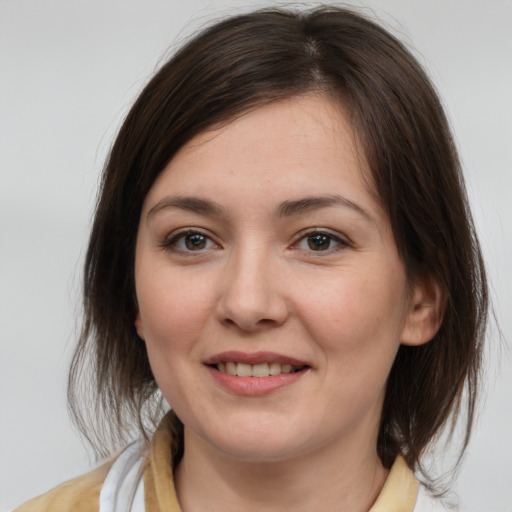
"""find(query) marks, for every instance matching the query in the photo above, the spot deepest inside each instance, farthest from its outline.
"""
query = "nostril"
(266, 321)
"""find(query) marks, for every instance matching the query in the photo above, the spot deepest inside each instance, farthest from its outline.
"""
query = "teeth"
(260, 370)
(243, 370)
(230, 368)
(275, 368)
(255, 370)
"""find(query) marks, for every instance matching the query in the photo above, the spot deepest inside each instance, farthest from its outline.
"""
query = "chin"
(258, 442)
(259, 450)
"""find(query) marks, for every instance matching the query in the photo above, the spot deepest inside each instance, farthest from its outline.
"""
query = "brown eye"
(319, 242)
(189, 241)
(195, 242)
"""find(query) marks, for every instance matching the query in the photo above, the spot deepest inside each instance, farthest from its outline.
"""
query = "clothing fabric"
(140, 479)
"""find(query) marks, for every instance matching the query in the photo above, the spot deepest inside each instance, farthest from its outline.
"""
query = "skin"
(253, 282)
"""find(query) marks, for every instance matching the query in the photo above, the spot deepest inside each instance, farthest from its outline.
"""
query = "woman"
(283, 250)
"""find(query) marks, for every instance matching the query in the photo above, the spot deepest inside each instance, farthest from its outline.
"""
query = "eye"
(320, 241)
(189, 241)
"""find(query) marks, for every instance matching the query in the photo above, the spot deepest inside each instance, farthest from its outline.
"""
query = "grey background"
(68, 72)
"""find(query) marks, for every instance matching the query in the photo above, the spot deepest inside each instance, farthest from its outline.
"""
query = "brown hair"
(239, 64)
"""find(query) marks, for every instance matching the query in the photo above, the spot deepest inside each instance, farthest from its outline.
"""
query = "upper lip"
(254, 358)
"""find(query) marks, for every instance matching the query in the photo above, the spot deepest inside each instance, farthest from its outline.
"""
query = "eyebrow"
(289, 208)
(309, 204)
(191, 204)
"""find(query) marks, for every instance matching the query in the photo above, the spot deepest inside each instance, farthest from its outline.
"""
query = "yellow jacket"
(84, 494)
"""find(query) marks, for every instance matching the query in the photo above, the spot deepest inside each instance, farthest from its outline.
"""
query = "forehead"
(310, 121)
(292, 146)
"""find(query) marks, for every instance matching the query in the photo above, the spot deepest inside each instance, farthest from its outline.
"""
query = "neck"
(335, 477)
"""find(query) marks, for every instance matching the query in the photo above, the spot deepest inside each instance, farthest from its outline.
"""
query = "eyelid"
(338, 237)
(169, 242)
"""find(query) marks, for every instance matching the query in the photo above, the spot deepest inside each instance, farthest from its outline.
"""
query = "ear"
(139, 326)
(425, 311)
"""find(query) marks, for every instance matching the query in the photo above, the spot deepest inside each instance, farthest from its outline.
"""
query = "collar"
(400, 489)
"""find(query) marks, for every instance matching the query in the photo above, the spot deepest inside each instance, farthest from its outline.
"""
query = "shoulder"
(80, 494)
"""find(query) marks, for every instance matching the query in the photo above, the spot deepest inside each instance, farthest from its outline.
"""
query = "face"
(271, 296)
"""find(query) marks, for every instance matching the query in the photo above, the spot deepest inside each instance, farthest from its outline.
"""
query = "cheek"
(173, 311)
(357, 320)
(172, 307)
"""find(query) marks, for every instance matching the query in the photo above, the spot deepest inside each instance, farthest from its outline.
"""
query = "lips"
(253, 374)
(254, 358)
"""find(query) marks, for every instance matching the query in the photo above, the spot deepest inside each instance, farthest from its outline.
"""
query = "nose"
(252, 297)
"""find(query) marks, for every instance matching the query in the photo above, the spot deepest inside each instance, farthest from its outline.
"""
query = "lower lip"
(254, 386)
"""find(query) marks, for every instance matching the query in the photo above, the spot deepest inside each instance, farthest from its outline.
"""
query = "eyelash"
(331, 237)
(171, 244)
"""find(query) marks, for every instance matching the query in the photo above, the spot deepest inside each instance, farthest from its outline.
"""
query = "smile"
(257, 373)
(256, 370)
